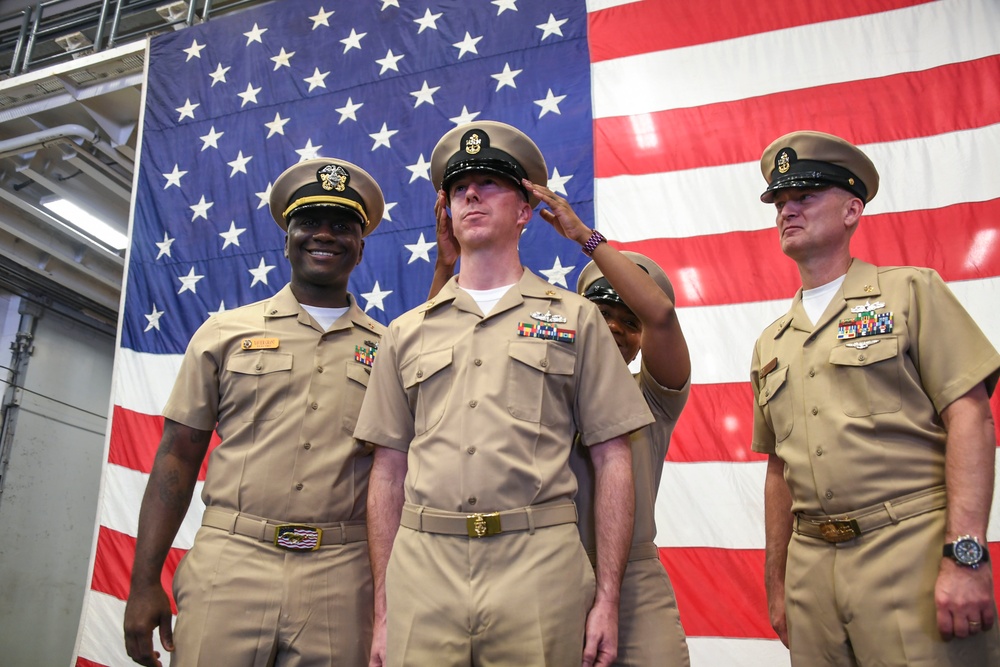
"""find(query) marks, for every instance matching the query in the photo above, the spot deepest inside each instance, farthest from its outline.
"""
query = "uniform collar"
(284, 304)
(529, 286)
(861, 282)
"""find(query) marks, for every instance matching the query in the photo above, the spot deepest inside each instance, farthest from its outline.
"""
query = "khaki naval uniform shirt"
(487, 415)
(857, 423)
(285, 415)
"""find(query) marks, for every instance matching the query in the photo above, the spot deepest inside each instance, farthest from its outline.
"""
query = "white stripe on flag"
(123, 496)
(133, 388)
(718, 651)
(624, 202)
(719, 505)
(879, 44)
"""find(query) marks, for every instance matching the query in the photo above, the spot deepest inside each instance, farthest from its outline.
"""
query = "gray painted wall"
(49, 503)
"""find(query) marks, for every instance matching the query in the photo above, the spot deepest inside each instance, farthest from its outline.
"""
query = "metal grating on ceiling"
(69, 130)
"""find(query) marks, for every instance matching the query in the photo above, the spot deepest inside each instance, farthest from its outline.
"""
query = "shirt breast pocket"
(868, 379)
(260, 383)
(539, 380)
(354, 393)
(428, 379)
(775, 400)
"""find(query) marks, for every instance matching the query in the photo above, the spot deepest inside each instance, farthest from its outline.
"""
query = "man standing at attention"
(872, 405)
(636, 299)
(279, 571)
(474, 405)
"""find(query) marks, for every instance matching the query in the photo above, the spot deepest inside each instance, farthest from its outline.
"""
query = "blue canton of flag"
(233, 102)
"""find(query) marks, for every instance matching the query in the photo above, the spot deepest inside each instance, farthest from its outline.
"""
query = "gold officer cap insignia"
(784, 163)
(473, 144)
(333, 177)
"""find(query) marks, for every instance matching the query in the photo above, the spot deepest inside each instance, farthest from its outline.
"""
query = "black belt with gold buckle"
(297, 537)
(483, 525)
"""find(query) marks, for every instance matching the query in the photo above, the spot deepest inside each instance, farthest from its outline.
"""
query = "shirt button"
(473, 403)
(767, 392)
(829, 494)
(479, 362)
(473, 500)
(819, 451)
(319, 369)
(314, 406)
(812, 373)
(861, 357)
(259, 367)
(298, 487)
(308, 445)
(471, 450)
(420, 374)
(544, 363)
(815, 411)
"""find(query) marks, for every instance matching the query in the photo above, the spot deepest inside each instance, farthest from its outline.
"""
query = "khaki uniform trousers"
(517, 598)
(649, 627)
(869, 602)
(244, 603)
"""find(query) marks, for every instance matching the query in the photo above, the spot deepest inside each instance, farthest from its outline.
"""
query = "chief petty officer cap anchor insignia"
(807, 159)
(327, 182)
(488, 146)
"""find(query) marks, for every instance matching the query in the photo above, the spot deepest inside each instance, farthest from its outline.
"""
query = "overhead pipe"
(70, 131)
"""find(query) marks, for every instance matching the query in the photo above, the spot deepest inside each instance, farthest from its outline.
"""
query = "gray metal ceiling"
(69, 130)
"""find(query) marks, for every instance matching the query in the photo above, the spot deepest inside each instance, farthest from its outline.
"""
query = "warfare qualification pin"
(333, 177)
(548, 316)
(473, 144)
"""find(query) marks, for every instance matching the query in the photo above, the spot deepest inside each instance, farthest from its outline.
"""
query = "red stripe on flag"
(643, 27)
(716, 425)
(113, 565)
(719, 592)
(949, 239)
(135, 438)
(922, 104)
(83, 662)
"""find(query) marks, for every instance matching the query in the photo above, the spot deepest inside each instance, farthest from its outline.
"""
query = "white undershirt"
(325, 316)
(817, 299)
(486, 299)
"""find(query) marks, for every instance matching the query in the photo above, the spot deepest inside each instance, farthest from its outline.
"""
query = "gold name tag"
(259, 343)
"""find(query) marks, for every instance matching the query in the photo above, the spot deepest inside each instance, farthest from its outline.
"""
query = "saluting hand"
(447, 245)
(560, 214)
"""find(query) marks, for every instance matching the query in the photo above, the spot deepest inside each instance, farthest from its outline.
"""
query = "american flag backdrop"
(651, 114)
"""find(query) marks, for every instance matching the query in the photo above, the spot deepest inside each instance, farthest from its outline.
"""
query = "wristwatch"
(968, 551)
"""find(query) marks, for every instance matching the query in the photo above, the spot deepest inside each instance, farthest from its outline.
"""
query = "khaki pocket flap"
(546, 357)
(877, 349)
(425, 366)
(259, 363)
(773, 383)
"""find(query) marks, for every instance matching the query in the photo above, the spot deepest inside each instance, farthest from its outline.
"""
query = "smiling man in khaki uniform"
(872, 404)
(474, 404)
(279, 571)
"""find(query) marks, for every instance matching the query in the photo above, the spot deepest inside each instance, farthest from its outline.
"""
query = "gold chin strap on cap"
(322, 199)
